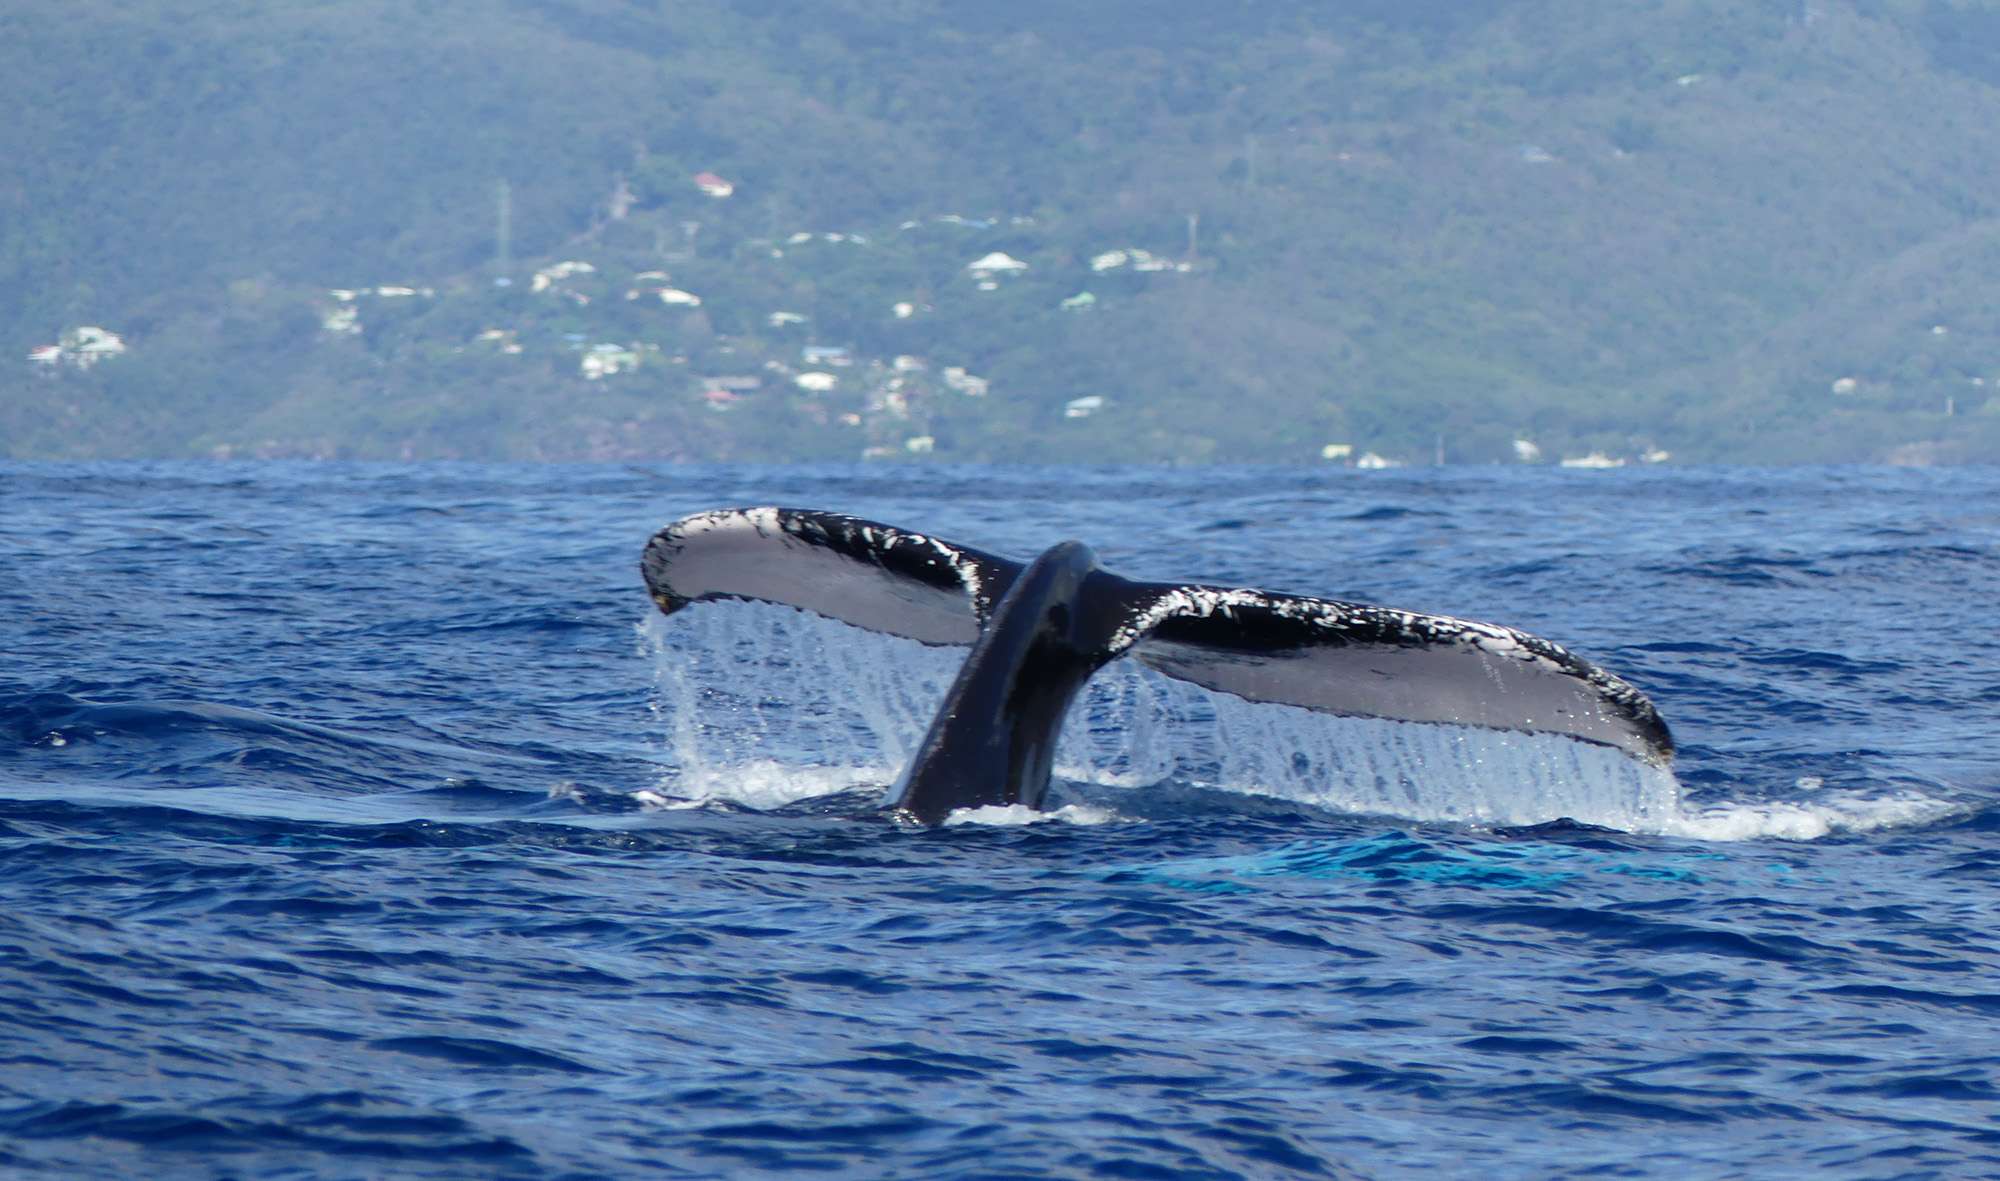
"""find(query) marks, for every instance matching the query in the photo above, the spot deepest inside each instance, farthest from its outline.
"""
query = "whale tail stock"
(1039, 630)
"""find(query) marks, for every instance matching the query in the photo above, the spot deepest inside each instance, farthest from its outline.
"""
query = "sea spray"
(764, 706)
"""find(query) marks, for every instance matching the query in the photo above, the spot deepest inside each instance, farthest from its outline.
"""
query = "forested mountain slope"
(1729, 231)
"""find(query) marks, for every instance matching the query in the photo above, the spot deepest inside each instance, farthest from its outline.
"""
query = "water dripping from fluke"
(766, 707)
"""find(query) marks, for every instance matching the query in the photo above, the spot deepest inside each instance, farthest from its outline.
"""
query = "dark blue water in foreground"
(359, 822)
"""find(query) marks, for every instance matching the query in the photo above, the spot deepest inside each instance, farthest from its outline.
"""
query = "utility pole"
(503, 236)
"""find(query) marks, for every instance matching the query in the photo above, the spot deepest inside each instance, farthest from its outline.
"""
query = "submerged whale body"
(1038, 630)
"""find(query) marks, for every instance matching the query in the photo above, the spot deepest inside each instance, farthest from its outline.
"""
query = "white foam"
(653, 801)
(766, 784)
(1014, 815)
(1797, 820)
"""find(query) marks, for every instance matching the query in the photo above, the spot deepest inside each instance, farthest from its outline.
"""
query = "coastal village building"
(81, 348)
(997, 263)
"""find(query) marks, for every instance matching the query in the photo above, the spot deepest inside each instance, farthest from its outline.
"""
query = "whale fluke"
(873, 576)
(1358, 660)
(1039, 630)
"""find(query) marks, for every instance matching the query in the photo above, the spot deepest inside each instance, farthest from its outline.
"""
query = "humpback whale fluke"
(1039, 630)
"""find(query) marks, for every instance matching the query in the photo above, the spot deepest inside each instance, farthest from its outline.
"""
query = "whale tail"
(1039, 630)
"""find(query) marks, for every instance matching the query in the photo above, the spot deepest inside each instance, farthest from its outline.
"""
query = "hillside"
(1729, 232)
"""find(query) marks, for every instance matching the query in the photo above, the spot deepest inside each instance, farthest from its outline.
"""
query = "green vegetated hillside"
(1728, 231)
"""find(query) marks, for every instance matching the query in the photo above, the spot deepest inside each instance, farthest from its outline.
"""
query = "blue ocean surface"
(367, 821)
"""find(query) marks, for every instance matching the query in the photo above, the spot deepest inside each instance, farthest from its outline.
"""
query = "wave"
(219, 760)
(345, 1124)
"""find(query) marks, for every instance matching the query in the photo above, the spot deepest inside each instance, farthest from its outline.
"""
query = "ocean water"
(366, 821)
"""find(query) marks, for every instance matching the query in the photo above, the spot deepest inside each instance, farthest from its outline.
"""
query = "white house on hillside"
(82, 347)
(997, 263)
